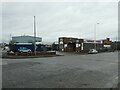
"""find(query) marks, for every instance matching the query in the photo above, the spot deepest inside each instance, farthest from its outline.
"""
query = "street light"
(95, 35)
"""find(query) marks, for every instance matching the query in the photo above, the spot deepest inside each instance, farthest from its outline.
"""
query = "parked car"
(24, 50)
(93, 51)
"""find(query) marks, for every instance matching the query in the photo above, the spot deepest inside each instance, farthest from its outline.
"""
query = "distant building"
(2, 45)
(107, 43)
(25, 39)
(116, 45)
(55, 46)
(48, 45)
(90, 44)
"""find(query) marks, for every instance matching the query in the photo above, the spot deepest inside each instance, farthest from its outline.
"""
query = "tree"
(12, 42)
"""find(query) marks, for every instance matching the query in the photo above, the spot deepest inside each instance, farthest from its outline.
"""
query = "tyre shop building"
(68, 44)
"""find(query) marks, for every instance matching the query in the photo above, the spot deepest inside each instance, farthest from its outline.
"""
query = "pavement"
(68, 71)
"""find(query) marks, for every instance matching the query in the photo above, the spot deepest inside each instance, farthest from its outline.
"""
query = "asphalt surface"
(0, 68)
(69, 71)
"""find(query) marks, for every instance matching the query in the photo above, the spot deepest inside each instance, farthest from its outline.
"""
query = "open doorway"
(71, 47)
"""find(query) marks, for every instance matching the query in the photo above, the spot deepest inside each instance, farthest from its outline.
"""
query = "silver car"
(24, 50)
(93, 51)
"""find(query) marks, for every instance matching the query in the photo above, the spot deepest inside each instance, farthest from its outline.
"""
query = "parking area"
(69, 71)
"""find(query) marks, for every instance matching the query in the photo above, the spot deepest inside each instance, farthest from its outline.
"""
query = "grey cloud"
(60, 19)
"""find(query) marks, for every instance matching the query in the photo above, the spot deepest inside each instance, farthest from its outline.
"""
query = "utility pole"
(95, 25)
(34, 36)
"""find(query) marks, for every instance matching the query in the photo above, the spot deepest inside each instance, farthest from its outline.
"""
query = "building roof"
(24, 36)
(25, 39)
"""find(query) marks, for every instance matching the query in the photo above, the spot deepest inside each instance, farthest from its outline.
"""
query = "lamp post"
(95, 26)
(34, 36)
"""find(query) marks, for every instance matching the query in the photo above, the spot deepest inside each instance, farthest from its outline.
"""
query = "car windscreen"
(23, 48)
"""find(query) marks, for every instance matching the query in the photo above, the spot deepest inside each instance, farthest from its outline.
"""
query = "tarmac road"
(0, 68)
(69, 71)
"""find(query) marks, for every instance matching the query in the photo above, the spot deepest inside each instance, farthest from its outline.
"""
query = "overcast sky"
(56, 19)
